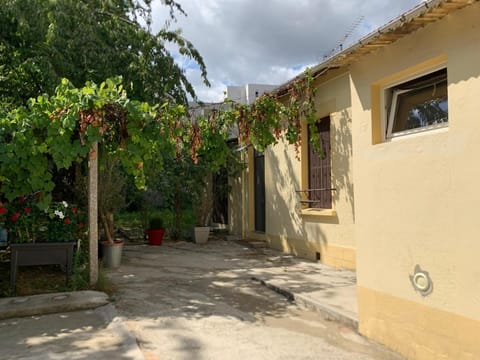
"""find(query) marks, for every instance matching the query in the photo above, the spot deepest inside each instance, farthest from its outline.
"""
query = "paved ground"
(83, 334)
(187, 301)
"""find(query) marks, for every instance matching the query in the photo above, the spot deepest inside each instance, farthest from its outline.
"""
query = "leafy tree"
(87, 41)
(43, 41)
(55, 132)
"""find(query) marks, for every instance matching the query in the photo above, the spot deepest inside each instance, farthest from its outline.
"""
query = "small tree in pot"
(111, 198)
(155, 231)
(111, 194)
(203, 205)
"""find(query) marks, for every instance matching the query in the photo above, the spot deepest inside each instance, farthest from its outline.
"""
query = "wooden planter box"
(41, 254)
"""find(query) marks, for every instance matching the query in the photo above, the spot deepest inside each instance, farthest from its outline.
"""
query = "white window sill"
(418, 132)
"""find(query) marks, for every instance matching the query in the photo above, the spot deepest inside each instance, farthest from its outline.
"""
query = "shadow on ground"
(75, 335)
(188, 301)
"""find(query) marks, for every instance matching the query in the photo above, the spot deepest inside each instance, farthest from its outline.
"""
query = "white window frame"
(389, 116)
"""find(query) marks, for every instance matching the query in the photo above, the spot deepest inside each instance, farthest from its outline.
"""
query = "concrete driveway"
(188, 301)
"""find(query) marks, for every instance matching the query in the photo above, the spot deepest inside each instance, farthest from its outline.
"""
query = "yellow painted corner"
(338, 256)
(332, 255)
(415, 330)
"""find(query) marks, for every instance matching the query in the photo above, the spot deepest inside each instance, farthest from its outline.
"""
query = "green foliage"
(111, 191)
(130, 218)
(186, 179)
(28, 221)
(273, 115)
(156, 223)
(45, 128)
(21, 217)
(90, 40)
(174, 183)
(80, 270)
(58, 131)
(64, 222)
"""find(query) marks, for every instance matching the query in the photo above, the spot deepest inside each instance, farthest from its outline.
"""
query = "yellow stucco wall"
(306, 233)
(417, 198)
(416, 330)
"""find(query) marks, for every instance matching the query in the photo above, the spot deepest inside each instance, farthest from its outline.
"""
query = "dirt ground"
(187, 301)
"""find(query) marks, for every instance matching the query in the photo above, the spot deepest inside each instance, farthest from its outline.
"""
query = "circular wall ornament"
(421, 281)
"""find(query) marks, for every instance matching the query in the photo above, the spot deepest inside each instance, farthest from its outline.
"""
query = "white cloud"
(270, 41)
(214, 93)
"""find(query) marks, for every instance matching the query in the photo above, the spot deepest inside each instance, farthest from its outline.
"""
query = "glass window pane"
(421, 107)
(418, 103)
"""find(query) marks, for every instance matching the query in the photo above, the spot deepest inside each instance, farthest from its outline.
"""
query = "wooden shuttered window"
(319, 169)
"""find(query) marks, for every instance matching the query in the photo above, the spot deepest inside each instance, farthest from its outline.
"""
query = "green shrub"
(156, 223)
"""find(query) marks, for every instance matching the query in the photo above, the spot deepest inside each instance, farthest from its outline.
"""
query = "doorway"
(259, 190)
(220, 199)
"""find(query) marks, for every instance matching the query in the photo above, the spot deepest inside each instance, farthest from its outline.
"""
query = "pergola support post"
(93, 213)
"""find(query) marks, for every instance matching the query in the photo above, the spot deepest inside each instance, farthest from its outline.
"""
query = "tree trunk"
(110, 226)
(205, 206)
(177, 233)
(107, 226)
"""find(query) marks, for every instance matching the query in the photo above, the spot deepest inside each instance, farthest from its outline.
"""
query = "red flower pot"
(155, 236)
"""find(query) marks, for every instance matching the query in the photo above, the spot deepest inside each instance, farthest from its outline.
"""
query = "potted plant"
(40, 237)
(203, 205)
(111, 198)
(27, 223)
(21, 218)
(63, 223)
(155, 231)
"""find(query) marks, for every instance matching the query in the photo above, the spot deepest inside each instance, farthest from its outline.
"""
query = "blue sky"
(270, 41)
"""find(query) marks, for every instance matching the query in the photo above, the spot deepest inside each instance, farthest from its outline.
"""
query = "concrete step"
(257, 244)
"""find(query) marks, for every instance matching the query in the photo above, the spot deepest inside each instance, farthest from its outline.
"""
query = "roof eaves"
(405, 24)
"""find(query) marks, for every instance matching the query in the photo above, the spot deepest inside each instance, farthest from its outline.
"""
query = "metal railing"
(308, 191)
